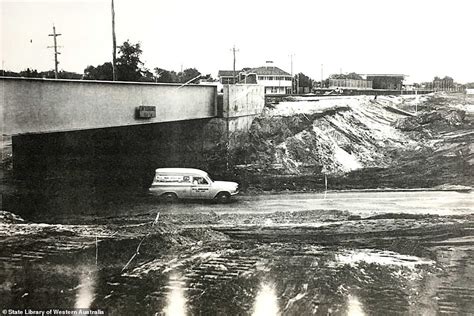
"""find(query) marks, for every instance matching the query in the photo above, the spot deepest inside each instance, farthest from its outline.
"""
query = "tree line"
(129, 67)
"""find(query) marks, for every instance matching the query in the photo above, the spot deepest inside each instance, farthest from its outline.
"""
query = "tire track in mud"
(312, 264)
(304, 279)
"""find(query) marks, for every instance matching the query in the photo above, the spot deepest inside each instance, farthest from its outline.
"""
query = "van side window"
(173, 178)
(199, 180)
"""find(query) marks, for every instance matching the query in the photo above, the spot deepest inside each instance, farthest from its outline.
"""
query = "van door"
(200, 188)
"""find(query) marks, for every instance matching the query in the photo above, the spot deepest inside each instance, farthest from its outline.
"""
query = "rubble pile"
(435, 119)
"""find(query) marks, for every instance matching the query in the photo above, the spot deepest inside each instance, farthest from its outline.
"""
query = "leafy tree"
(163, 75)
(30, 73)
(69, 75)
(147, 76)
(189, 74)
(7, 73)
(101, 72)
(129, 65)
(351, 75)
(303, 80)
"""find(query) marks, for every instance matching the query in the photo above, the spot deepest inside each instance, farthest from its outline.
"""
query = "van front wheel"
(223, 197)
(169, 197)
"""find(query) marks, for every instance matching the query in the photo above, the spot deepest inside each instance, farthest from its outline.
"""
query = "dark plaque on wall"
(145, 112)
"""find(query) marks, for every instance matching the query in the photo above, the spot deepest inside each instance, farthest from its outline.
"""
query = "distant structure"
(350, 84)
(227, 76)
(274, 79)
(386, 81)
(447, 84)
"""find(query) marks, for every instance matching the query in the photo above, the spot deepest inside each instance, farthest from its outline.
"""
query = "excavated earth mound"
(354, 140)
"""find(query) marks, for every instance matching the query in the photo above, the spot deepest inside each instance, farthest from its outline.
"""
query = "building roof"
(269, 71)
(386, 75)
(249, 80)
(228, 73)
(260, 71)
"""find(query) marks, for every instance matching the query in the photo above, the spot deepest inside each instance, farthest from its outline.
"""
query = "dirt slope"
(360, 142)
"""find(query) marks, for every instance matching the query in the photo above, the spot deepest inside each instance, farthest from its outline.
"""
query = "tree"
(30, 73)
(188, 75)
(147, 76)
(101, 72)
(304, 81)
(129, 65)
(7, 73)
(351, 75)
(163, 75)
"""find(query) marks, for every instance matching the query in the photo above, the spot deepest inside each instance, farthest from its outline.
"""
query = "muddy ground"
(255, 256)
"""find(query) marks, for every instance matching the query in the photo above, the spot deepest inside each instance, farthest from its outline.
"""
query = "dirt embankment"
(359, 142)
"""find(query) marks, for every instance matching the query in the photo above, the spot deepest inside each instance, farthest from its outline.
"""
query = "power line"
(56, 53)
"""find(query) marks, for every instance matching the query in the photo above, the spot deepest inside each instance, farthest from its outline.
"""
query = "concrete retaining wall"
(243, 100)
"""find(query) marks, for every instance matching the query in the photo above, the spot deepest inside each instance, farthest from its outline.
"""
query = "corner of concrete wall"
(241, 103)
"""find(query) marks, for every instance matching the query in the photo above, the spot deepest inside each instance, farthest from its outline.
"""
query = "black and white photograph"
(260, 158)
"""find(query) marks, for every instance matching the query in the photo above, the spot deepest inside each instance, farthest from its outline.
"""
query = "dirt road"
(294, 254)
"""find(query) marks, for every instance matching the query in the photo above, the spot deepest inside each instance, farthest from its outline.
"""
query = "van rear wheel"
(223, 197)
(169, 197)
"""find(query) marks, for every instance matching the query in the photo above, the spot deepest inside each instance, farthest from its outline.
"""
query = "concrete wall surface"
(42, 106)
(243, 100)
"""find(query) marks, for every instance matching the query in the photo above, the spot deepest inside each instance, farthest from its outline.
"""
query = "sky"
(419, 38)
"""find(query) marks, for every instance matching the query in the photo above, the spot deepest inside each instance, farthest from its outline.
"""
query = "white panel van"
(186, 183)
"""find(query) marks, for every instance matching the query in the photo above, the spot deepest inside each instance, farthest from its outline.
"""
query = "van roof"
(181, 170)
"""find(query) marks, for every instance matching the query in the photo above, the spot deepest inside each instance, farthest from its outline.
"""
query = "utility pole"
(114, 46)
(56, 53)
(234, 51)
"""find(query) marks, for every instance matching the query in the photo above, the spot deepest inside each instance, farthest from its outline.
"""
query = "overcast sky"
(415, 37)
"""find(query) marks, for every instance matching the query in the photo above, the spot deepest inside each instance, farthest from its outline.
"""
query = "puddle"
(354, 306)
(369, 256)
(175, 300)
(266, 302)
(86, 288)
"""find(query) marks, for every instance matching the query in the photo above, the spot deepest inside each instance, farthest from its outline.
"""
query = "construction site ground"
(365, 221)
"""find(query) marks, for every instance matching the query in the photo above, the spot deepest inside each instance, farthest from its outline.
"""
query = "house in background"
(228, 76)
(274, 79)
